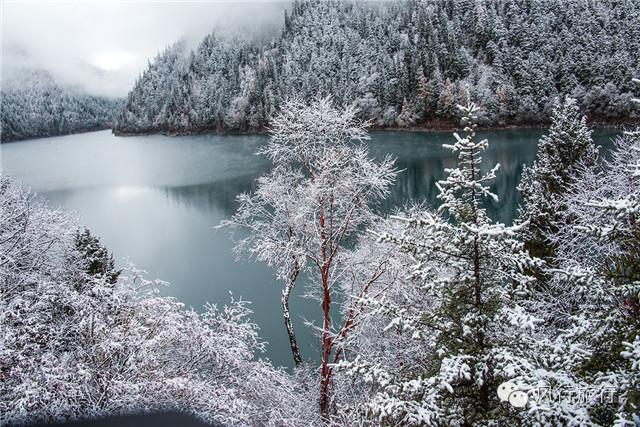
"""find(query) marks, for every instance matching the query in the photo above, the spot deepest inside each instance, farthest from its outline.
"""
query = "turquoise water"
(155, 200)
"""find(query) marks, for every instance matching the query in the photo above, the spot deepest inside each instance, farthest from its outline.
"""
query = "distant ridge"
(33, 105)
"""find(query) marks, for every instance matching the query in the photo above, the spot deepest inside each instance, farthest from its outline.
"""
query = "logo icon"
(509, 392)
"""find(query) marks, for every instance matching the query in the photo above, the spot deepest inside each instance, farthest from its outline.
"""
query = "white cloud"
(104, 45)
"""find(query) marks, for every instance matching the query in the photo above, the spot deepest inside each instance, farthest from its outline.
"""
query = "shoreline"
(435, 127)
(439, 127)
(592, 125)
(29, 138)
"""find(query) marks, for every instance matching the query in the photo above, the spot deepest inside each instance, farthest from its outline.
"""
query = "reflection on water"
(156, 201)
(216, 195)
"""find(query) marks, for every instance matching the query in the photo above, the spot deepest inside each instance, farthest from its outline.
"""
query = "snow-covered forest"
(81, 338)
(429, 316)
(33, 105)
(401, 63)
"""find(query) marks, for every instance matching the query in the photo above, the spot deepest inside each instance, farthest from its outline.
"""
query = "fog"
(102, 46)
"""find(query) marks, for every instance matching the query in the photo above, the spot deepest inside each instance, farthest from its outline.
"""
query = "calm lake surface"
(155, 201)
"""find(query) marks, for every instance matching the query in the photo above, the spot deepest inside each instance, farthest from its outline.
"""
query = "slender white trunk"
(286, 293)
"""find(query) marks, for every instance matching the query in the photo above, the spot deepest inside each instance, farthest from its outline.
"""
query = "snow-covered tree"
(96, 256)
(563, 154)
(594, 291)
(319, 196)
(589, 304)
(462, 322)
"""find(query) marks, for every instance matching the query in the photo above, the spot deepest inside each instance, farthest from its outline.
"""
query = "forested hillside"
(34, 105)
(401, 63)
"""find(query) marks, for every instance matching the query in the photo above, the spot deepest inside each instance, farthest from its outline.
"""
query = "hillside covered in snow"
(33, 104)
(402, 64)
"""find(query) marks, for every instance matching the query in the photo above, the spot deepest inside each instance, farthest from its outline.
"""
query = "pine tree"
(594, 287)
(563, 154)
(99, 263)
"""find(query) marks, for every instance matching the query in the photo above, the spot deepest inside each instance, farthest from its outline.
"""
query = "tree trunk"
(286, 292)
(484, 391)
(326, 345)
(325, 371)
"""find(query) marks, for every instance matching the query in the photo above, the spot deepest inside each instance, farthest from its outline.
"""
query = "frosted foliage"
(320, 194)
(34, 105)
(316, 157)
(596, 288)
(564, 154)
(590, 302)
(77, 345)
(454, 330)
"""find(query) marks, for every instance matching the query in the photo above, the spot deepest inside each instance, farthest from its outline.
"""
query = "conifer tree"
(593, 295)
(562, 156)
(99, 262)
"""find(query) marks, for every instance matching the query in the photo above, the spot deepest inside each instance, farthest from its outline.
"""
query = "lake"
(155, 200)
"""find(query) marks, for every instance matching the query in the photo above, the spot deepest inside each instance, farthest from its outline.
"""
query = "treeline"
(401, 63)
(34, 105)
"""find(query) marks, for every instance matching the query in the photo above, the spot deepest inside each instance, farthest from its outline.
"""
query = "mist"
(101, 47)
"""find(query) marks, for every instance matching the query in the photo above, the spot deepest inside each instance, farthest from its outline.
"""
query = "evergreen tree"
(562, 156)
(99, 263)
(592, 299)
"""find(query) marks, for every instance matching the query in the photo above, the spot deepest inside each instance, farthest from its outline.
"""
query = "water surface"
(155, 200)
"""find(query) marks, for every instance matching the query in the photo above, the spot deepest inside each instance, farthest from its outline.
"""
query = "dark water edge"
(436, 125)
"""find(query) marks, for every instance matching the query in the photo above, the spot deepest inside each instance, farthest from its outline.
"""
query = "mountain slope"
(402, 63)
(34, 105)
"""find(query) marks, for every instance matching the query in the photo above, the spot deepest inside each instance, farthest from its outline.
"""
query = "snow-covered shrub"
(79, 339)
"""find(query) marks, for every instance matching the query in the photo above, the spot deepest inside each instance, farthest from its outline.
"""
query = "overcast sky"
(70, 38)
